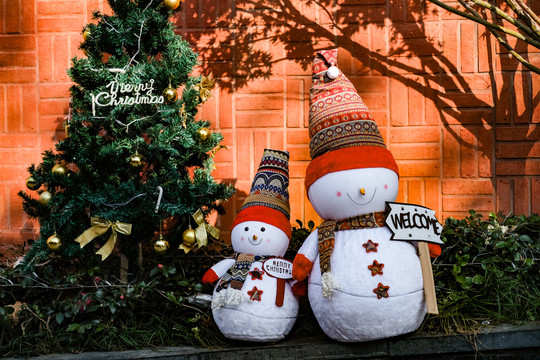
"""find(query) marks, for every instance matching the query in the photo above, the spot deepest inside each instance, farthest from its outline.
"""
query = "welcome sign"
(413, 223)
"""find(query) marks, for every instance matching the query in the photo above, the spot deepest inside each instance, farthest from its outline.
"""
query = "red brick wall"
(459, 115)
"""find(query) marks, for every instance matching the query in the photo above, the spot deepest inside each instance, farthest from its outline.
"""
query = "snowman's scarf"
(236, 275)
(326, 236)
(231, 283)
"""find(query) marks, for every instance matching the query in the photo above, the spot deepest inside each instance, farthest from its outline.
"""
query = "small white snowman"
(362, 285)
(253, 299)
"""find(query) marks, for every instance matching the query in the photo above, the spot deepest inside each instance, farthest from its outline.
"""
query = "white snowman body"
(353, 311)
(251, 313)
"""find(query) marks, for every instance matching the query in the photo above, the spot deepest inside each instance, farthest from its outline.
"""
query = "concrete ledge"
(504, 342)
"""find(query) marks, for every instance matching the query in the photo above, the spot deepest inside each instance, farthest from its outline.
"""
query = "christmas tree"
(134, 170)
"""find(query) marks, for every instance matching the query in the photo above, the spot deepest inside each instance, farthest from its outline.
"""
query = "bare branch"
(494, 28)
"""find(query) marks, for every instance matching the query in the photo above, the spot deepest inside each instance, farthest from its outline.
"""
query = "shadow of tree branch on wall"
(260, 30)
(420, 56)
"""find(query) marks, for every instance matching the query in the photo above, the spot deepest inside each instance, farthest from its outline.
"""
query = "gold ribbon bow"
(99, 227)
(204, 229)
(205, 87)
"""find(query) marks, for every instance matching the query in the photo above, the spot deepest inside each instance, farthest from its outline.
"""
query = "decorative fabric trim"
(263, 199)
(357, 157)
(236, 275)
(326, 233)
(324, 118)
(345, 135)
(266, 215)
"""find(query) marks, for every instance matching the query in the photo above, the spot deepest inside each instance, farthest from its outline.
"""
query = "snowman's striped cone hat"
(342, 130)
(268, 200)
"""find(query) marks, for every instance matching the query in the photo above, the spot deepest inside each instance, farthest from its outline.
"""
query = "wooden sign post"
(427, 275)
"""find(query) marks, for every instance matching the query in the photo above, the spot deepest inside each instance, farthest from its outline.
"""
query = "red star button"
(255, 294)
(256, 274)
(376, 268)
(381, 291)
(370, 246)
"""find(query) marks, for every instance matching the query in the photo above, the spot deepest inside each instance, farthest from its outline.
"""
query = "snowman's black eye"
(246, 228)
(262, 229)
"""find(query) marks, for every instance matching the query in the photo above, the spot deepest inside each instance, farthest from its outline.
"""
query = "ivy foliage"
(488, 272)
(483, 276)
(65, 306)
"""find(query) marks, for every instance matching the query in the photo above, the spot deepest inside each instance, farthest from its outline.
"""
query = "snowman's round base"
(350, 318)
(239, 325)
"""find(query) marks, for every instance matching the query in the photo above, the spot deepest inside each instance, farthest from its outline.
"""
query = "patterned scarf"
(236, 275)
(327, 237)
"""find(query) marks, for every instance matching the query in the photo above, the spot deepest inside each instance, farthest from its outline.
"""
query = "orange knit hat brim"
(266, 215)
(356, 157)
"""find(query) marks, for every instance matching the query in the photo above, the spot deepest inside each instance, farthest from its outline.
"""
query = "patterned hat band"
(346, 135)
(269, 200)
(326, 117)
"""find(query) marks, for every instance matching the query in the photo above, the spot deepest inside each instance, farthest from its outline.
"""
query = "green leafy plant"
(488, 272)
(70, 305)
(65, 307)
(298, 235)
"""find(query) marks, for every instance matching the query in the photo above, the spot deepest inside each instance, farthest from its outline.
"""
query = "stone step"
(503, 342)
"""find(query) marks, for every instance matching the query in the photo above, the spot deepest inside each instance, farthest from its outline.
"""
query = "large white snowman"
(362, 285)
(253, 299)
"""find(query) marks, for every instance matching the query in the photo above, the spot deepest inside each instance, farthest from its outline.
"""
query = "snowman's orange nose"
(362, 191)
(254, 237)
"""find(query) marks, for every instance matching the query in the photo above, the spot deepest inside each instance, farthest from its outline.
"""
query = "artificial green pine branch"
(126, 141)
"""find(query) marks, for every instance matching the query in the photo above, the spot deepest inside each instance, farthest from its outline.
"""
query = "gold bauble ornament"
(54, 242)
(161, 245)
(204, 133)
(188, 237)
(59, 169)
(86, 34)
(45, 197)
(171, 4)
(32, 184)
(137, 160)
(170, 95)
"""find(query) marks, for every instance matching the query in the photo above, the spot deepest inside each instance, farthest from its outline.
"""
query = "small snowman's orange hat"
(343, 134)
(268, 200)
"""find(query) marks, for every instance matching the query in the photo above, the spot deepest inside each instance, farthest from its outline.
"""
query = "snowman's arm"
(217, 271)
(434, 250)
(299, 288)
(303, 262)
